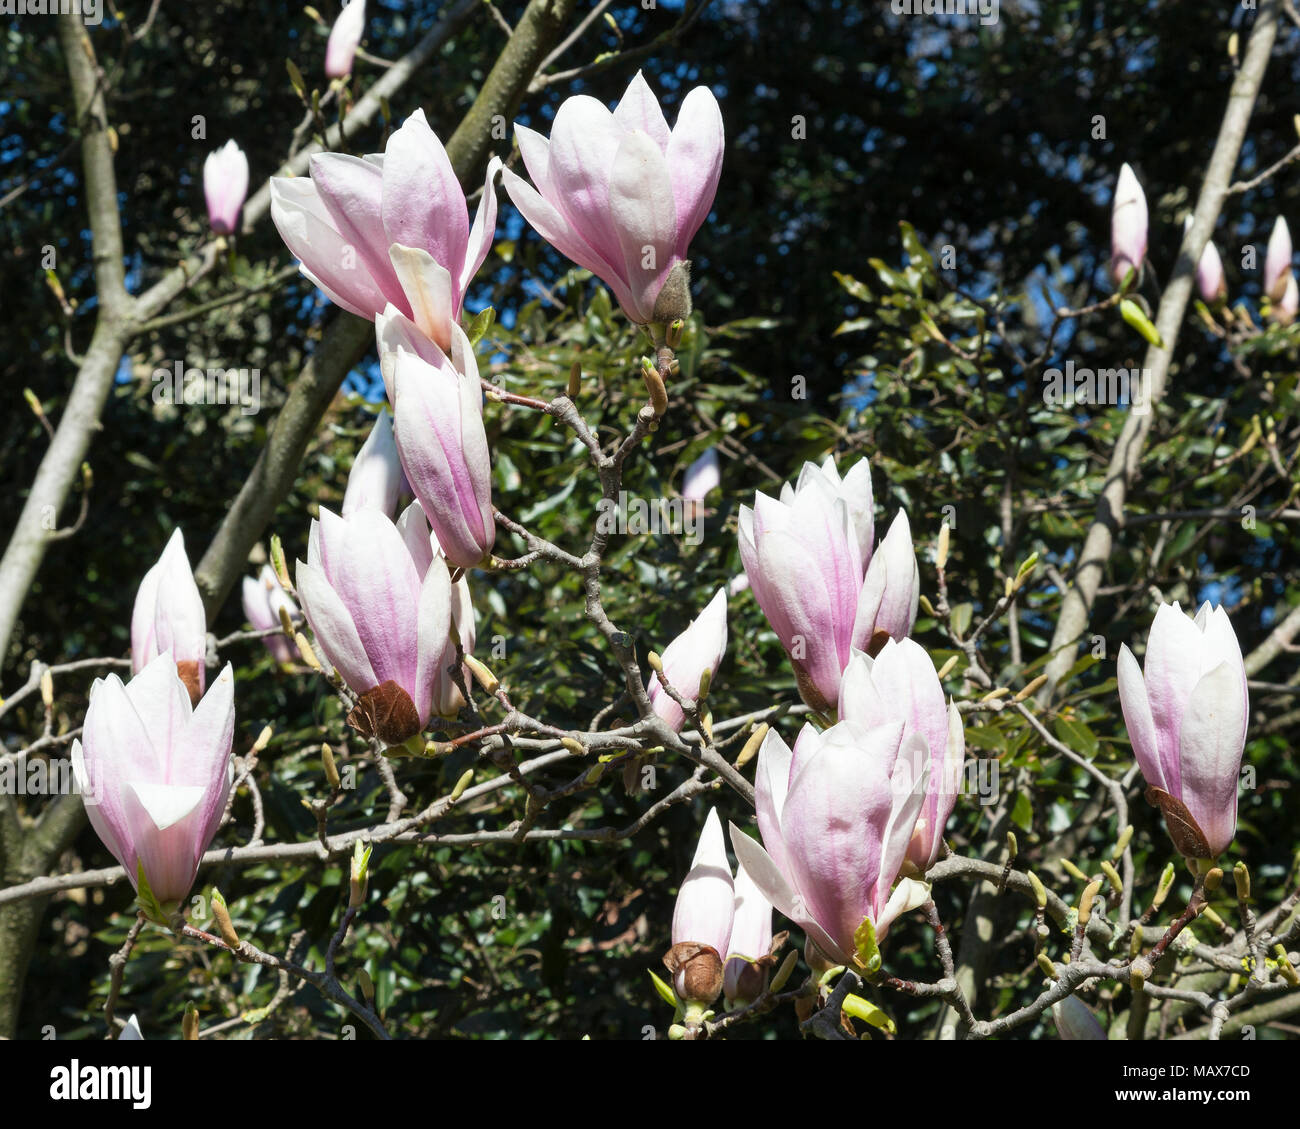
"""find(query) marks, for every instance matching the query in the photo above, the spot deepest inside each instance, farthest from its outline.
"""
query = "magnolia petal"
(428, 288)
(706, 899)
(695, 162)
(423, 203)
(336, 634)
(1139, 720)
(1210, 751)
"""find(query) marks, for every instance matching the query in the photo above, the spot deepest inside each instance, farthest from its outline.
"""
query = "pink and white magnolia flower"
(345, 38)
(901, 684)
(699, 648)
(168, 616)
(1075, 1020)
(376, 478)
(702, 918)
(1186, 717)
(804, 562)
(155, 771)
(809, 560)
(1277, 261)
(1128, 226)
(891, 593)
(438, 426)
(395, 229)
(837, 816)
(263, 597)
(745, 974)
(380, 606)
(702, 477)
(622, 195)
(1210, 281)
(225, 186)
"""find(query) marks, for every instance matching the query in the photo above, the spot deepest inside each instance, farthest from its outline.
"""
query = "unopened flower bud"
(1112, 876)
(1166, 884)
(331, 770)
(466, 778)
(941, 551)
(482, 675)
(1086, 899)
(1040, 891)
(752, 745)
(224, 925)
(1241, 876)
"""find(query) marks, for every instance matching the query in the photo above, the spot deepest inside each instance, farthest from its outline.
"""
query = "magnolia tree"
(867, 759)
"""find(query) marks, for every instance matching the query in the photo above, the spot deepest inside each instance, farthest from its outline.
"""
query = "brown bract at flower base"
(385, 712)
(701, 967)
(1188, 838)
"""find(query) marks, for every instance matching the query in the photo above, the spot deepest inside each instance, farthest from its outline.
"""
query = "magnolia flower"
(168, 616)
(749, 949)
(900, 684)
(622, 195)
(1128, 226)
(393, 229)
(837, 816)
(381, 608)
(702, 919)
(155, 771)
(1186, 718)
(263, 598)
(891, 594)
(809, 561)
(131, 1030)
(697, 649)
(225, 185)
(438, 425)
(1074, 1020)
(376, 478)
(1277, 261)
(1210, 283)
(703, 476)
(345, 37)
(804, 564)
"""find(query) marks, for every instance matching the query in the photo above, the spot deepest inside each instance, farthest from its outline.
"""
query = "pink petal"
(584, 143)
(328, 260)
(639, 109)
(706, 899)
(641, 204)
(695, 163)
(1210, 750)
(423, 203)
(351, 189)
